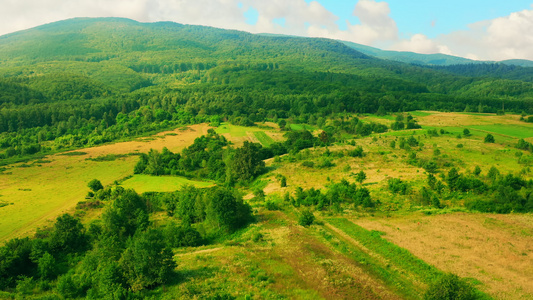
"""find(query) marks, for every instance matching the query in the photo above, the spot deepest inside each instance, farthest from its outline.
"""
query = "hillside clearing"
(147, 183)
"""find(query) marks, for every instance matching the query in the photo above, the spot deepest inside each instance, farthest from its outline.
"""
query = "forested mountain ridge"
(87, 81)
(126, 55)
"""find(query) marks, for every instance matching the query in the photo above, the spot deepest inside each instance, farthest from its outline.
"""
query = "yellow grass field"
(497, 250)
(39, 193)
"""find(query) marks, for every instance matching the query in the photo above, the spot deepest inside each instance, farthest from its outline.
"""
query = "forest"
(91, 92)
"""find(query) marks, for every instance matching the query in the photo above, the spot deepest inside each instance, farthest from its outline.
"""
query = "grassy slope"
(275, 257)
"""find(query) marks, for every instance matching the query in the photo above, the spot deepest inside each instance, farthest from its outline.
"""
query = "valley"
(169, 161)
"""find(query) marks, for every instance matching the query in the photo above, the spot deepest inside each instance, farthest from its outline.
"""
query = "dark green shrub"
(450, 287)
(306, 218)
(489, 138)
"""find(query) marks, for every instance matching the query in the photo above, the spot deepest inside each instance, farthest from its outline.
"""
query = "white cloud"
(420, 43)
(376, 24)
(376, 27)
(22, 14)
(498, 39)
(298, 16)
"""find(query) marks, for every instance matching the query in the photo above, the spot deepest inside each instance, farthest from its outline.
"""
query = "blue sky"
(476, 29)
(433, 17)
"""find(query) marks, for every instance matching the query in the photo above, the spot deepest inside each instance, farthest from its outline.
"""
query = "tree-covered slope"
(87, 81)
(125, 55)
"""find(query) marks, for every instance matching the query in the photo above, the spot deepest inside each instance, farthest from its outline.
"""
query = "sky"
(476, 29)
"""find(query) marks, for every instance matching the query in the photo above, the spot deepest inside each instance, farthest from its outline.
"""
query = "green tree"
(147, 261)
(489, 138)
(47, 266)
(306, 218)
(452, 179)
(95, 185)
(477, 171)
(15, 261)
(360, 177)
(247, 162)
(225, 211)
(127, 213)
(68, 235)
(493, 173)
(283, 181)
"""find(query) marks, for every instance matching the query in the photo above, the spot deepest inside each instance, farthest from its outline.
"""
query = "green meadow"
(263, 138)
(515, 131)
(146, 183)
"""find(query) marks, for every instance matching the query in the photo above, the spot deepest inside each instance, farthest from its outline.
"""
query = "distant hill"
(96, 80)
(411, 57)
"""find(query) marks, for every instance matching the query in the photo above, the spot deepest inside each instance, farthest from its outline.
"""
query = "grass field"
(34, 194)
(263, 138)
(389, 253)
(515, 131)
(494, 249)
(303, 127)
(234, 130)
(276, 259)
(147, 183)
(38, 194)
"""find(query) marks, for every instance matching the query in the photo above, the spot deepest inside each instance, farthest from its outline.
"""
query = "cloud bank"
(498, 39)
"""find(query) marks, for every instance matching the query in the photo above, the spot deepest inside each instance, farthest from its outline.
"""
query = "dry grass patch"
(456, 119)
(313, 266)
(41, 192)
(494, 249)
(175, 140)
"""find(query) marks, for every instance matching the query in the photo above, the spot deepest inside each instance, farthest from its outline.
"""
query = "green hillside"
(83, 82)
(169, 161)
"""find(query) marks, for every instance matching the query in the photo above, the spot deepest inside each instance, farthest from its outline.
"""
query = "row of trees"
(210, 157)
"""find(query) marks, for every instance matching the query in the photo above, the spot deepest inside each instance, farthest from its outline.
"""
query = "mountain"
(518, 62)
(87, 81)
(411, 57)
(437, 59)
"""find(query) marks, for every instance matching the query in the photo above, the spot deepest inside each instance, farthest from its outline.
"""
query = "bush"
(397, 186)
(489, 138)
(95, 185)
(306, 218)
(450, 287)
(308, 164)
(271, 205)
(357, 152)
